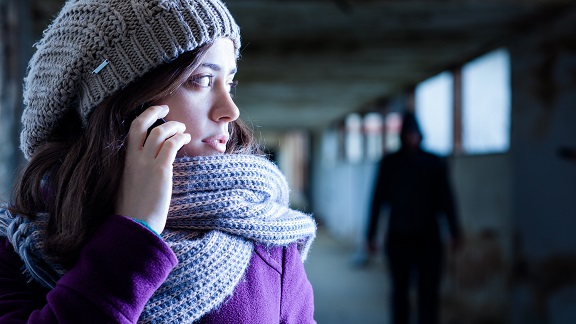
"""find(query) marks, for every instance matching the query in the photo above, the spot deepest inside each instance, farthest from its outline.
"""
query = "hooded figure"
(414, 185)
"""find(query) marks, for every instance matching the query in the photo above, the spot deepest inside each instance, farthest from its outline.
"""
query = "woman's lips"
(217, 142)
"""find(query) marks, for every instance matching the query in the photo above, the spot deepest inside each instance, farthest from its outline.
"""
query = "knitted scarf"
(220, 206)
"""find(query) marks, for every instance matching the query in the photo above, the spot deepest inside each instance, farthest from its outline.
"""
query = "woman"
(115, 221)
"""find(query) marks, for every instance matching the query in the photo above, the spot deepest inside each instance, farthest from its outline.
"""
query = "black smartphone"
(136, 112)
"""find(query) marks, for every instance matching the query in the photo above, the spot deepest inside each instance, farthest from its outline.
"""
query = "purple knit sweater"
(123, 264)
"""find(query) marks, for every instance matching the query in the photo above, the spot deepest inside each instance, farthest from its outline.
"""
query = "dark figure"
(415, 185)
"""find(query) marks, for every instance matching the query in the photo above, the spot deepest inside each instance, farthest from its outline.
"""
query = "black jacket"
(415, 185)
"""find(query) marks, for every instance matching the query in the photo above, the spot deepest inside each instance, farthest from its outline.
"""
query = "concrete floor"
(344, 293)
(349, 294)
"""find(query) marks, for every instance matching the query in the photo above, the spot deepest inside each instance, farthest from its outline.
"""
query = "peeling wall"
(477, 276)
(544, 186)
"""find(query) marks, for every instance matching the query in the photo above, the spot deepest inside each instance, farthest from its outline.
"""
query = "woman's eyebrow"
(217, 67)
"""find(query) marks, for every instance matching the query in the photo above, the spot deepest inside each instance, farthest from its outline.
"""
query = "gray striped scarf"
(220, 206)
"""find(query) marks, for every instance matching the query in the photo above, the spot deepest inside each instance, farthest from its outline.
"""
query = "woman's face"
(204, 104)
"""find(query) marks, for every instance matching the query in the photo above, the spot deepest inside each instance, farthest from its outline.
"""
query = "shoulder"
(433, 158)
(392, 156)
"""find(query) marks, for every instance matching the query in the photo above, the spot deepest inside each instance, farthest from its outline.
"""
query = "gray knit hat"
(95, 47)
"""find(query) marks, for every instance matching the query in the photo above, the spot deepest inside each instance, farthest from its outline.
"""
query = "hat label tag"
(100, 67)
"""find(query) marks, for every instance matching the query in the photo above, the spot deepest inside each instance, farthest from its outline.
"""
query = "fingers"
(167, 138)
(140, 125)
(170, 147)
(164, 137)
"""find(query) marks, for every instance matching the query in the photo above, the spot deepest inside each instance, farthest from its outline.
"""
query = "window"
(434, 111)
(393, 124)
(373, 130)
(486, 104)
(353, 138)
(483, 111)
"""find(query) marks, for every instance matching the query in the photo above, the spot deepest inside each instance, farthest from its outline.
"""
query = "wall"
(476, 286)
(341, 197)
(544, 97)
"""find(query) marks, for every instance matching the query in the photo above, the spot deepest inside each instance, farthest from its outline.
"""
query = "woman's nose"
(224, 108)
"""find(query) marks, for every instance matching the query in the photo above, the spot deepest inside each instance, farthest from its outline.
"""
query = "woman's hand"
(146, 186)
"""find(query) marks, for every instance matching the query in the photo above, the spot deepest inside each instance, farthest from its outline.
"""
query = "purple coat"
(123, 264)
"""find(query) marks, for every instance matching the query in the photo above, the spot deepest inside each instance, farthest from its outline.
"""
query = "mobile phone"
(158, 122)
(136, 112)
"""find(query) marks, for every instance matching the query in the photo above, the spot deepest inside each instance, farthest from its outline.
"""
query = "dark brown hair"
(74, 177)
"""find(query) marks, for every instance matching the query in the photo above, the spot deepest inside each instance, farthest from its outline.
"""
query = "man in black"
(415, 185)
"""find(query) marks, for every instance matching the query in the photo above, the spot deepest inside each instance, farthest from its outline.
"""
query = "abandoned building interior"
(323, 84)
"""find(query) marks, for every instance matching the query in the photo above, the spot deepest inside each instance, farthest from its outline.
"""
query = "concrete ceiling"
(306, 64)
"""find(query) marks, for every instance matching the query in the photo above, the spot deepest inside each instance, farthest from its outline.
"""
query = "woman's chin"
(186, 152)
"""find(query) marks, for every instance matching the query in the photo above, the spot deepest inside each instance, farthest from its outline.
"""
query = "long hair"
(74, 177)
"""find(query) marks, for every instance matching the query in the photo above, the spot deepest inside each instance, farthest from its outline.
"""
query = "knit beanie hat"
(94, 48)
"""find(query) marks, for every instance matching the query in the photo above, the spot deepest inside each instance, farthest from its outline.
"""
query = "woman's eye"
(204, 81)
(232, 88)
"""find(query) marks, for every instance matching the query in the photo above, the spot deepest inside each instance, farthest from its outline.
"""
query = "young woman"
(144, 198)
